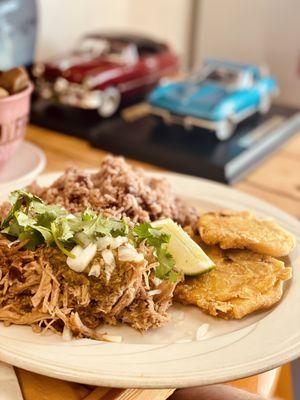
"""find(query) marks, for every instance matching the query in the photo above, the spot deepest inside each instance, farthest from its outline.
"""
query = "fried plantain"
(241, 283)
(242, 230)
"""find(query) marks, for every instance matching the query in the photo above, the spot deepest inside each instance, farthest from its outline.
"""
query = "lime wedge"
(188, 255)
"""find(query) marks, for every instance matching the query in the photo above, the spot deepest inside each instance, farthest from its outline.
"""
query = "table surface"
(275, 180)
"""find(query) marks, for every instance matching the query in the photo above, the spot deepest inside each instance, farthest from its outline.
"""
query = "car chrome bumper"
(187, 121)
(71, 94)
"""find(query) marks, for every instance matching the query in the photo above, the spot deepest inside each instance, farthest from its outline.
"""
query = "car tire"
(225, 130)
(110, 102)
(264, 105)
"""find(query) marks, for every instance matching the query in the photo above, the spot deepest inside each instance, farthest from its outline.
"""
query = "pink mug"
(14, 115)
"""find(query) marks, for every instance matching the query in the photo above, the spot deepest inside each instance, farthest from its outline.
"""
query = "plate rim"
(34, 173)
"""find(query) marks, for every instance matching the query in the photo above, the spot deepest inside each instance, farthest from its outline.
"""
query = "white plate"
(230, 350)
(25, 165)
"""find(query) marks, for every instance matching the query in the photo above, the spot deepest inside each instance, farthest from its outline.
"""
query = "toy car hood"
(205, 95)
(76, 68)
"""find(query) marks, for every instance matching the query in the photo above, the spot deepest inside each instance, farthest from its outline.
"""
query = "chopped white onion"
(83, 256)
(128, 253)
(202, 331)
(157, 281)
(67, 334)
(118, 241)
(104, 242)
(114, 339)
(95, 270)
(110, 263)
(83, 238)
(154, 292)
(108, 257)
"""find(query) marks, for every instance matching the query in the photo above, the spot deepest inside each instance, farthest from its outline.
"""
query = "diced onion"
(110, 263)
(118, 241)
(95, 270)
(128, 253)
(157, 281)
(108, 257)
(104, 242)
(67, 334)
(83, 256)
(202, 331)
(154, 292)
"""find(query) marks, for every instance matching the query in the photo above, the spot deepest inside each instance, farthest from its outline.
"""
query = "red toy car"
(104, 70)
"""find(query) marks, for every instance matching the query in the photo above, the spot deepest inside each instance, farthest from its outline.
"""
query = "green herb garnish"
(35, 222)
(159, 240)
(32, 220)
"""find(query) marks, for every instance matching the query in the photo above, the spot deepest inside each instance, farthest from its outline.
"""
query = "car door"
(247, 96)
(135, 73)
(161, 63)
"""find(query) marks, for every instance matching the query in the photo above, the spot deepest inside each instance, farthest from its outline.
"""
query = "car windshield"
(92, 46)
(112, 50)
(223, 76)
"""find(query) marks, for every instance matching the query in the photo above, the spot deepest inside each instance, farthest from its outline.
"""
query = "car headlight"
(46, 91)
(61, 85)
(88, 82)
(38, 69)
(93, 99)
(225, 110)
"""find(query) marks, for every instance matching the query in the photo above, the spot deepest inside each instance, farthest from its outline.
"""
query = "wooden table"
(276, 180)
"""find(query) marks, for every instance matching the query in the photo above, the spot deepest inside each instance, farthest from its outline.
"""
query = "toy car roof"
(138, 40)
(232, 65)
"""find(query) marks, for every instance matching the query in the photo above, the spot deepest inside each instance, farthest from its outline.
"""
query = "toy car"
(103, 70)
(217, 98)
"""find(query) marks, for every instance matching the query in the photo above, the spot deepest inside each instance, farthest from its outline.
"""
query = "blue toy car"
(221, 95)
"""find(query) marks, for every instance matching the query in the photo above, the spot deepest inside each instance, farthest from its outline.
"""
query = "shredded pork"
(37, 288)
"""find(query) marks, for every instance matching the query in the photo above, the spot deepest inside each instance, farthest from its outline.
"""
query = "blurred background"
(71, 80)
(253, 31)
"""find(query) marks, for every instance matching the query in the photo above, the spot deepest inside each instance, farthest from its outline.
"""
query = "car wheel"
(225, 130)
(264, 105)
(110, 102)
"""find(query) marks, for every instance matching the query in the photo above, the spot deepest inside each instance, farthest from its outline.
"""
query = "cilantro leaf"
(88, 214)
(18, 198)
(94, 226)
(166, 263)
(142, 230)
(33, 238)
(55, 232)
(153, 237)
(116, 227)
(63, 229)
(23, 219)
(29, 224)
(159, 240)
(173, 276)
(45, 232)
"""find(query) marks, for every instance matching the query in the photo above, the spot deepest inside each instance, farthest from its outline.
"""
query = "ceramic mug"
(14, 115)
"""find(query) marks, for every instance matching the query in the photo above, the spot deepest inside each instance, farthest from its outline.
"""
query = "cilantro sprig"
(159, 240)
